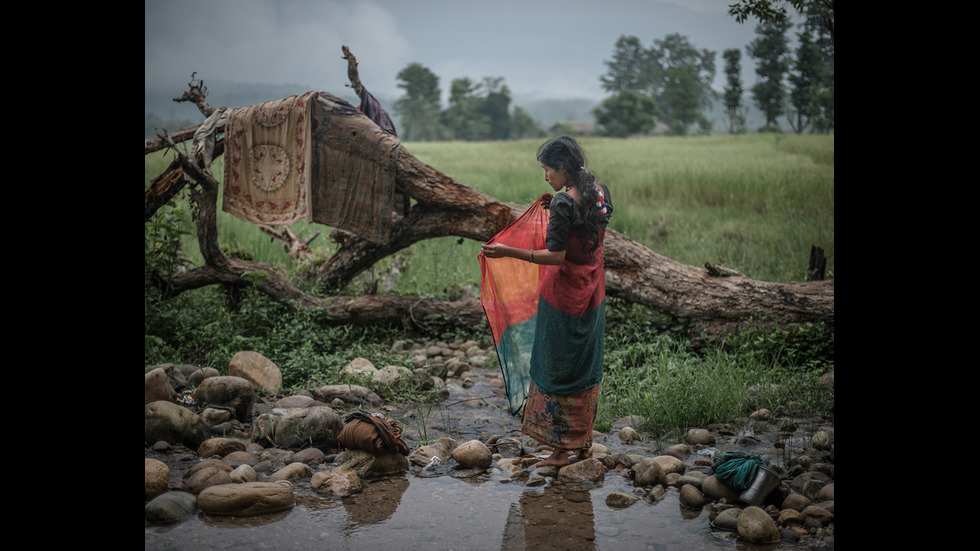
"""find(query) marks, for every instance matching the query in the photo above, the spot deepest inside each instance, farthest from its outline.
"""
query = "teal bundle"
(736, 469)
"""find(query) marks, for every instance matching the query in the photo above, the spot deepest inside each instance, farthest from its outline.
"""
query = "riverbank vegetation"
(752, 203)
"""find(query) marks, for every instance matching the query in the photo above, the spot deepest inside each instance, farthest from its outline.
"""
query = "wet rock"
(369, 465)
(648, 472)
(243, 473)
(293, 470)
(813, 487)
(688, 480)
(250, 498)
(700, 436)
(342, 481)
(236, 459)
(691, 497)
(170, 507)
(821, 440)
(826, 493)
(207, 463)
(670, 464)
(308, 455)
(819, 514)
(350, 394)
(214, 417)
(316, 426)
(591, 470)
(441, 448)
(620, 500)
(219, 447)
(715, 489)
(473, 454)
(728, 519)
(157, 387)
(206, 477)
(797, 502)
(790, 516)
(680, 451)
(173, 423)
(628, 435)
(756, 526)
(255, 368)
(232, 392)
(156, 478)
(294, 402)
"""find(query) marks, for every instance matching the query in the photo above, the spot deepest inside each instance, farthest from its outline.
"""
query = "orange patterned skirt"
(563, 422)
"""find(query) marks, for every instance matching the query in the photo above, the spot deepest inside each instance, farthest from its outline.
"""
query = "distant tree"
(775, 11)
(496, 105)
(734, 91)
(629, 68)
(419, 107)
(824, 121)
(627, 113)
(524, 126)
(684, 89)
(804, 84)
(770, 50)
(465, 118)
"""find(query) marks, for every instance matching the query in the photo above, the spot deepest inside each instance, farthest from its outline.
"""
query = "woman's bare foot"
(558, 459)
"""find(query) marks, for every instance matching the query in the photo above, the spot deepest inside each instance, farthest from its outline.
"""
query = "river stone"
(370, 465)
(670, 464)
(680, 451)
(170, 507)
(206, 464)
(219, 447)
(684, 480)
(821, 440)
(350, 394)
(205, 478)
(790, 516)
(826, 493)
(232, 392)
(243, 473)
(236, 459)
(509, 447)
(295, 401)
(359, 367)
(756, 526)
(173, 423)
(256, 369)
(216, 416)
(590, 469)
(293, 470)
(648, 472)
(156, 387)
(715, 489)
(441, 448)
(156, 478)
(620, 500)
(473, 453)
(811, 488)
(195, 378)
(316, 426)
(308, 455)
(728, 519)
(341, 480)
(819, 514)
(797, 502)
(629, 435)
(250, 498)
(700, 436)
(691, 497)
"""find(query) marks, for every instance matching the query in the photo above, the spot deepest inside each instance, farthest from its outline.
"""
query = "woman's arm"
(537, 256)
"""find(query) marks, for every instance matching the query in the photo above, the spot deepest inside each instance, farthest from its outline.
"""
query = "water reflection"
(553, 517)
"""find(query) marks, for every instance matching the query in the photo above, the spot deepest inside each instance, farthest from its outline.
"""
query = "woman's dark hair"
(564, 153)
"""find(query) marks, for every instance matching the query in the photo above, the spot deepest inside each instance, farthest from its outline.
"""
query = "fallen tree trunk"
(715, 304)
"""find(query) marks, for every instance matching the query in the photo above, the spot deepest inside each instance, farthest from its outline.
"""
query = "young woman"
(566, 358)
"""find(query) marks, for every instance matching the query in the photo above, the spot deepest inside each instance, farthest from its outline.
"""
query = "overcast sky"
(542, 48)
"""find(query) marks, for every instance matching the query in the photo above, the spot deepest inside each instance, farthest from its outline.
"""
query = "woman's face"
(557, 179)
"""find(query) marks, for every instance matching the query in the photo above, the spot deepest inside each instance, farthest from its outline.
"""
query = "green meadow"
(753, 203)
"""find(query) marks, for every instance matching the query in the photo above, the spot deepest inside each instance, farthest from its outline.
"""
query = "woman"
(566, 358)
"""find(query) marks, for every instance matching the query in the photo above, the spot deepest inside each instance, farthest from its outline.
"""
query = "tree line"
(668, 82)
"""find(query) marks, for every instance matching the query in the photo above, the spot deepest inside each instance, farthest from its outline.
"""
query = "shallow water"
(447, 513)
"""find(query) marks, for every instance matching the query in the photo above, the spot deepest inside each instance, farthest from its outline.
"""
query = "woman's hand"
(494, 250)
